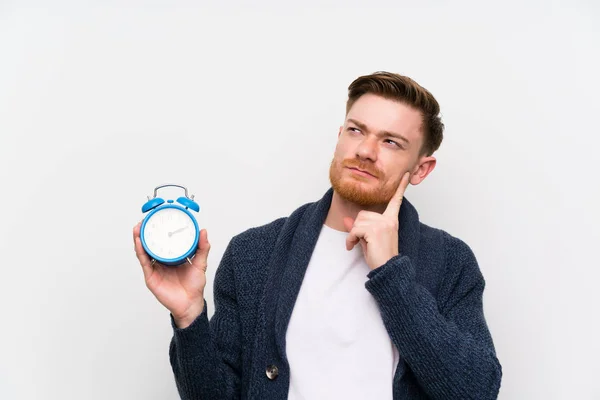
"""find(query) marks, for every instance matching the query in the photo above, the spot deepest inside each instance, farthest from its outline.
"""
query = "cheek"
(342, 152)
(393, 170)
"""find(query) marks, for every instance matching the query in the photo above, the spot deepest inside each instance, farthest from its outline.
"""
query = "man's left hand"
(377, 233)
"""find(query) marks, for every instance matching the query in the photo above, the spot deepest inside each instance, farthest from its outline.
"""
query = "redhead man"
(350, 296)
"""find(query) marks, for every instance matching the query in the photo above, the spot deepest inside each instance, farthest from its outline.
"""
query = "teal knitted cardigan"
(429, 296)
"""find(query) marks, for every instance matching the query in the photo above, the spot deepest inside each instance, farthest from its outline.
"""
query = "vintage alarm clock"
(170, 232)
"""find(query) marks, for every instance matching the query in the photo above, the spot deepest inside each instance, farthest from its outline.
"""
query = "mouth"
(361, 172)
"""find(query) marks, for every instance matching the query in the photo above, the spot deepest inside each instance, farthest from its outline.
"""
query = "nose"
(367, 149)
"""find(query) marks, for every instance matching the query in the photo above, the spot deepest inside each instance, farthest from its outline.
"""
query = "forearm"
(448, 362)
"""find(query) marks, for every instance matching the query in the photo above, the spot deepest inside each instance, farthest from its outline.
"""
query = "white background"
(101, 102)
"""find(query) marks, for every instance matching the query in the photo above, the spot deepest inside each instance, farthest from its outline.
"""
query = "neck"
(341, 208)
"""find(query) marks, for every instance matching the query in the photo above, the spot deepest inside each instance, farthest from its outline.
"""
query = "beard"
(361, 190)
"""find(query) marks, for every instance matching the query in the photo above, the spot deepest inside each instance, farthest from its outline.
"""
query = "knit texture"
(429, 296)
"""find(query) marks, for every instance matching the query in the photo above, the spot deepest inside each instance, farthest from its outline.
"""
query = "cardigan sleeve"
(205, 356)
(445, 343)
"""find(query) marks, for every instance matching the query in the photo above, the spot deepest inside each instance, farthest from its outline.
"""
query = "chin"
(363, 191)
(360, 192)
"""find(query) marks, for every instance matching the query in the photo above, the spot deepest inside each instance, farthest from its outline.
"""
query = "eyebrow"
(382, 133)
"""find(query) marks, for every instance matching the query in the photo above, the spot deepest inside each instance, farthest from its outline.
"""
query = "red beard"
(366, 191)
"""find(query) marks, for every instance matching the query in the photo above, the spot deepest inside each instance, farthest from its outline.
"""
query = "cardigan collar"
(294, 248)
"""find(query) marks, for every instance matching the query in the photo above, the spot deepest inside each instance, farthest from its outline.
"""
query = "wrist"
(186, 319)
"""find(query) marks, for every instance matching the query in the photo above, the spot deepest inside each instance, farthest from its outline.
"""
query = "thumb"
(203, 245)
(348, 223)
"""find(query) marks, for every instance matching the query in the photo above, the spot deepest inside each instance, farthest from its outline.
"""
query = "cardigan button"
(272, 372)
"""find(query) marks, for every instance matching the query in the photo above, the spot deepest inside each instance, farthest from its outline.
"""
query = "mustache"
(362, 166)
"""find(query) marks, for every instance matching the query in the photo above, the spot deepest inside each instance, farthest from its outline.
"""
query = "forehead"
(381, 114)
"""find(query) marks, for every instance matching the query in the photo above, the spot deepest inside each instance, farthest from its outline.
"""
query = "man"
(350, 297)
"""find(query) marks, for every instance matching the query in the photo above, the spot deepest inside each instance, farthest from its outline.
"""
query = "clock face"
(169, 233)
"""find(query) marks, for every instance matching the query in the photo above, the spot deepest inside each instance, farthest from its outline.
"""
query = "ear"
(340, 131)
(424, 168)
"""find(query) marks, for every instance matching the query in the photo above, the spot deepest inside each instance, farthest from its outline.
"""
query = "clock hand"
(177, 231)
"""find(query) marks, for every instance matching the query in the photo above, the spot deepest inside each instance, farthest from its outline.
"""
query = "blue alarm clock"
(170, 232)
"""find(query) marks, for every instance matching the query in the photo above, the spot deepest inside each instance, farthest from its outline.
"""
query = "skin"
(384, 138)
(181, 289)
(364, 205)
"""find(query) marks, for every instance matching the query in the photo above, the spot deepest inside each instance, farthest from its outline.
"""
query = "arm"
(449, 348)
(205, 356)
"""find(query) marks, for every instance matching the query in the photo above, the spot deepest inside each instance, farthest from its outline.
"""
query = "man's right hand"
(180, 289)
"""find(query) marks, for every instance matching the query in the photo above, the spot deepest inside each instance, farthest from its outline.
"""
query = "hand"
(180, 289)
(377, 233)
(178, 230)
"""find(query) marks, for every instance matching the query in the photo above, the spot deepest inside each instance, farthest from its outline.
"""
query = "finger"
(143, 258)
(393, 207)
(367, 218)
(355, 235)
(203, 249)
(351, 241)
(136, 231)
(136, 236)
(363, 244)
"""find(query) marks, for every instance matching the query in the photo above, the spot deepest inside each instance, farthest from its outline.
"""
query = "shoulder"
(273, 228)
(259, 237)
(455, 259)
(457, 267)
(263, 237)
(453, 248)
(246, 253)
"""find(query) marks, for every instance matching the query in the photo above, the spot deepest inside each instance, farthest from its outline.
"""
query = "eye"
(395, 143)
(352, 129)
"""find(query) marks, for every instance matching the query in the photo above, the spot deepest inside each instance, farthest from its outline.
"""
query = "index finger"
(393, 207)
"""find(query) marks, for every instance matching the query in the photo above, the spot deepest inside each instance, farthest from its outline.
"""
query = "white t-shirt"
(336, 343)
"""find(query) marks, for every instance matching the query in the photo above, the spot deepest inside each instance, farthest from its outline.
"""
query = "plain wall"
(100, 102)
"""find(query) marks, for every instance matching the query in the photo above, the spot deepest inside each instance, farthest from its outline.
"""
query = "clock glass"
(169, 233)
